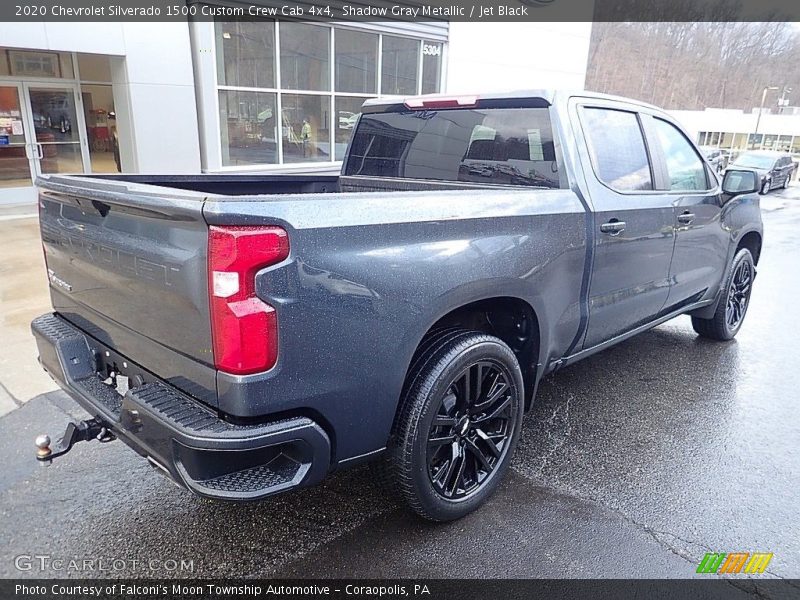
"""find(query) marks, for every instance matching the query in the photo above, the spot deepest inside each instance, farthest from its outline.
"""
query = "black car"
(775, 168)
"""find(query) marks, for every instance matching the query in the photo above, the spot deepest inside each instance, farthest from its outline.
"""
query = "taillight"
(243, 328)
(434, 102)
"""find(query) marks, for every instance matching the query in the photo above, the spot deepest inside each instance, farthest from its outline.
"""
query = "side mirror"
(740, 181)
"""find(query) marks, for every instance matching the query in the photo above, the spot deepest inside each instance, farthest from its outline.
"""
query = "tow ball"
(83, 431)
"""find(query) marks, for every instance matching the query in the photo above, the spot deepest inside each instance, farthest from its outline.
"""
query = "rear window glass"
(617, 148)
(505, 146)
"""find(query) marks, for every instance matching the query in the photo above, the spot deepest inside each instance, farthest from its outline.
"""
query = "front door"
(701, 243)
(58, 128)
(16, 147)
(634, 233)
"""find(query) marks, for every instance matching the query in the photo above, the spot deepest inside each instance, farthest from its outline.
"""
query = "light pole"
(761, 109)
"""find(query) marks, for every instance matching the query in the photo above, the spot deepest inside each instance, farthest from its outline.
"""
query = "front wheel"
(765, 187)
(733, 304)
(459, 424)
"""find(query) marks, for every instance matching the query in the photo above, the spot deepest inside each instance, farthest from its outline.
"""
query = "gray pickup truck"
(250, 334)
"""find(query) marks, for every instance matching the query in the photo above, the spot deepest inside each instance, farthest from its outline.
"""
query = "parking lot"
(633, 463)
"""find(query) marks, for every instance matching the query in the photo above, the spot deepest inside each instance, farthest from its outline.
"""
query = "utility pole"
(760, 110)
(784, 101)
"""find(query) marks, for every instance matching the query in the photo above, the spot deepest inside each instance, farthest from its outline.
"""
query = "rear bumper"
(186, 439)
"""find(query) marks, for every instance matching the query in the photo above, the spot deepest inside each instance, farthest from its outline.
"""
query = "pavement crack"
(558, 429)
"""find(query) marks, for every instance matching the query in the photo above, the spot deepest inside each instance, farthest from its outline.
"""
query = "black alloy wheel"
(739, 294)
(458, 424)
(734, 301)
(471, 430)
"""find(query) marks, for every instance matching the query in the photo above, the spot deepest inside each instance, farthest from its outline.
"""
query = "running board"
(568, 360)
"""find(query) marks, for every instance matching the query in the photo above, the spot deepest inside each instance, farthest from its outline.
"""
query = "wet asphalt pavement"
(633, 463)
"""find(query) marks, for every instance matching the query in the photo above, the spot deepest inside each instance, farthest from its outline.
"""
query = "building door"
(57, 127)
(16, 146)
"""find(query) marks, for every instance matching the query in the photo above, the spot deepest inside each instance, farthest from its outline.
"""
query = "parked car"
(717, 157)
(250, 334)
(775, 169)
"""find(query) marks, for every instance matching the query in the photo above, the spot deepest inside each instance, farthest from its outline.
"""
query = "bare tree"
(711, 62)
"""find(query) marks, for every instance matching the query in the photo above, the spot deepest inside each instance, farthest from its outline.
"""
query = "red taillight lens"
(243, 328)
(441, 102)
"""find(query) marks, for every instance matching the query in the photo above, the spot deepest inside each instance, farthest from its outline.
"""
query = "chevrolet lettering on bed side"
(251, 333)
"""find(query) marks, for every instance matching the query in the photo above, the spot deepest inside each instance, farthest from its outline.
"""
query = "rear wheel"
(787, 180)
(732, 307)
(460, 421)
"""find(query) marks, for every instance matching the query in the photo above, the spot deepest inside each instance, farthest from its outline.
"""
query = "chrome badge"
(56, 280)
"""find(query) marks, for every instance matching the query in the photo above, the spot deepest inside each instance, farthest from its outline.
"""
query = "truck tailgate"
(127, 264)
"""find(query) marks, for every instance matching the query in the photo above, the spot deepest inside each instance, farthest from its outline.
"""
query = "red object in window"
(244, 329)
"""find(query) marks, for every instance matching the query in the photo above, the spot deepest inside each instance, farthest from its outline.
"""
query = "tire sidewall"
(766, 187)
(435, 505)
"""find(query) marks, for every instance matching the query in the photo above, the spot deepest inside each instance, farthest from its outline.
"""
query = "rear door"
(686, 182)
(127, 264)
(633, 222)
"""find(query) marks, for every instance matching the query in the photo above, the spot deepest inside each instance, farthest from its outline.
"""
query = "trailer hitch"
(83, 431)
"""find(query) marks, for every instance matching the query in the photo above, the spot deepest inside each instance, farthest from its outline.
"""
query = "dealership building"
(240, 96)
(737, 130)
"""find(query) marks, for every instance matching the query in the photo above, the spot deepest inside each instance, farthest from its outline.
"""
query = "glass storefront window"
(312, 83)
(305, 57)
(246, 54)
(796, 145)
(431, 67)
(345, 115)
(248, 127)
(399, 65)
(784, 143)
(356, 56)
(306, 128)
(36, 63)
(101, 126)
(94, 67)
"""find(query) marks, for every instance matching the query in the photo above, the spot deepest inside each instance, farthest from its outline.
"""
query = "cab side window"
(685, 167)
(616, 145)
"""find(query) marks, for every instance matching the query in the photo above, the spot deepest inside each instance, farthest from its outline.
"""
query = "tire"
(451, 448)
(787, 181)
(765, 188)
(733, 304)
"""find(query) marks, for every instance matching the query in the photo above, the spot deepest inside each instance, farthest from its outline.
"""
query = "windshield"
(506, 146)
(755, 161)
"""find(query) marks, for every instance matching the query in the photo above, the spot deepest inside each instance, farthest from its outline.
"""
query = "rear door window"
(617, 149)
(501, 146)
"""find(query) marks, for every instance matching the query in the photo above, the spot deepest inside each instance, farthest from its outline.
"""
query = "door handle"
(686, 218)
(40, 151)
(613, 227)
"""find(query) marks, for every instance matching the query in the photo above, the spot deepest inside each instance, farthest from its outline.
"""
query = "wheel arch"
(752, 241)
(510, 318)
